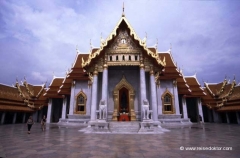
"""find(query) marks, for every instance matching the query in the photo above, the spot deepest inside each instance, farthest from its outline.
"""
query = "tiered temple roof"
(223, 96)
(32, 95)
(52, 90)
(196, 89)
(22, 97)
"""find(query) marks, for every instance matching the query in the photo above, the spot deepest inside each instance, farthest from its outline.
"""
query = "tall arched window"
(81, 100)
(167, 103)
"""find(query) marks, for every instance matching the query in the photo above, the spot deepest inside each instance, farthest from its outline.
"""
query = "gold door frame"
(131, 95)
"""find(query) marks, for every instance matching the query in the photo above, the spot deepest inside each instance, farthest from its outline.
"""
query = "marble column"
(49, 112)
(72, 98)
(105, 86)
(105, 83)
(200, 112)
(238, 117)
(184, 105)
(94, 96)
(14, 118)
(64, 107)
(142, 87)
(176, 101)
(227, 117)
(3, 117)
(159, 99)
(24, 117)
(153, 96)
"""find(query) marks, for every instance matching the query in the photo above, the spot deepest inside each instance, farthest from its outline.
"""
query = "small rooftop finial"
(234, 77)
(90, 44)
(102, 40)
(77, 49)
(123, 11)
(195, 73)
(145, 38)
(170, 49)
(156, 44)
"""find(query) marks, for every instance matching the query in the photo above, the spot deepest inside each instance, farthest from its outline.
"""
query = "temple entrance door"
(123, 96)
(123, 104)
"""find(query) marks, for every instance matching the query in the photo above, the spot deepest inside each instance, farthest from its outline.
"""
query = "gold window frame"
(172, 103)
(78, 104)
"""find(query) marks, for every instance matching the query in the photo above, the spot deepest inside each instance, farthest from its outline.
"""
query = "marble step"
(124, 127)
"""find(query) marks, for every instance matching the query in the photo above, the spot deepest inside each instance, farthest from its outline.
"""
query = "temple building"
(21, 100)
(122, 80)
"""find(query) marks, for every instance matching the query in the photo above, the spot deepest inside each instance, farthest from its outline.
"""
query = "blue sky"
(40, 37)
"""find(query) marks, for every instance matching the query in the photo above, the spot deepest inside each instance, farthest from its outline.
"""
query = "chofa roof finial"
(123, 10)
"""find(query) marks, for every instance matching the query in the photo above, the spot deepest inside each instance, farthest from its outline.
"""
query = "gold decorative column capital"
(151, 71)
(95, 73)
(105, 66)
(141, 66)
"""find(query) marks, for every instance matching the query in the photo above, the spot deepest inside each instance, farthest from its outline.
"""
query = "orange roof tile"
(194, 86)
(10, 93)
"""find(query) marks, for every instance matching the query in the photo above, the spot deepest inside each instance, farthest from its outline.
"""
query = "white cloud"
(39, 76)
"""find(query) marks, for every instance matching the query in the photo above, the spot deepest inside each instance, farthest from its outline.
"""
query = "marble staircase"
(124, 127)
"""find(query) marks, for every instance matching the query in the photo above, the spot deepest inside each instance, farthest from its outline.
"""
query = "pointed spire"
(101, 40)
(77, 49)
(170, 49)
(123, 10)
(156, 45)
(91, 44)
(144, 41)
(234, 77)
(195, 74)
(66, 72)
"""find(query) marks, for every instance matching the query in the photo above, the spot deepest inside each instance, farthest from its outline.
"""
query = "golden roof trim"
(40, 92)
(114, 33)
(19, 90)
(209, 90)
(28, 90)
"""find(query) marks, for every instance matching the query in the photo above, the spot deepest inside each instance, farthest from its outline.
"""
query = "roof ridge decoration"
(114, 33)
(225, 82)
(25, 100)
(231, 89)
(19, 90)
(40, 92)
(209, 90)
(30, 92)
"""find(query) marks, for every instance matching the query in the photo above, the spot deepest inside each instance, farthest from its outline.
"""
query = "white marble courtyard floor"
(65, 142)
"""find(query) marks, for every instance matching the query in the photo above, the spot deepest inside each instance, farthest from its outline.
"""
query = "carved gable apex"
(123, 46)
(123, 41)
